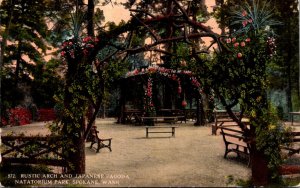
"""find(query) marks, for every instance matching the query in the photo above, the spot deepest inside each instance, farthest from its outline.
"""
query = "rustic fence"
(33, 150)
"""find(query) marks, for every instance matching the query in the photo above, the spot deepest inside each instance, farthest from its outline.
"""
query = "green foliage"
(283, 71)
(83, 87)
(46, 84)
(255, 17)
(243, 67)
(112, 73)
(27, 31)
(240, 77)
(288, 48)
(77, 18)
(25, 27)
(243, 62)
(269, 137)
(11, 95)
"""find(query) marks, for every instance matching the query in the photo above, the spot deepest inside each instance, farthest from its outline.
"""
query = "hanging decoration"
(170, 73)
(149, 105)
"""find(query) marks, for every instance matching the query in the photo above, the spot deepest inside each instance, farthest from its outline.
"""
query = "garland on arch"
(170, 73)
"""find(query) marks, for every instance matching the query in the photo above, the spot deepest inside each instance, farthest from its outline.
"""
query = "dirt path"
(193, 158)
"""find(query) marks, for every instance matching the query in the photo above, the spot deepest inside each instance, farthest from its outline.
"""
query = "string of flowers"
(161, 70)
(196, 84)
(170, 73)
(149, 105)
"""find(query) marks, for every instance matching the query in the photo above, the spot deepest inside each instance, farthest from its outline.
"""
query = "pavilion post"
(199, 112)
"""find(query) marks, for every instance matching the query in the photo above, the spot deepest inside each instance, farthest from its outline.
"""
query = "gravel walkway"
(193, 158)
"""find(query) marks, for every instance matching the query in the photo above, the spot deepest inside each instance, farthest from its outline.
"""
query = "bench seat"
(163, 129)
(162, 119)
(293, 146)
(234, 141)
(221, 119)
(95, 139)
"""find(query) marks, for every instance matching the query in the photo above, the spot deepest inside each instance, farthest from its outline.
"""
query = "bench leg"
(109, 145)
(214, 130)
(92, 143)
(99, 147)
(226, 150)
(173, 131)
(249, 161)
(146, 132)
(238, 154)
(102, 145)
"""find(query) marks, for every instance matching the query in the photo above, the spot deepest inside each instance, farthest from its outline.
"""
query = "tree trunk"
(90, 18)
(199, 112)
(73, 135)
(77, 158)
(261, 174)
(18, 63)
(75, 146)
(259, 167)
(122, 102)
(289, 86)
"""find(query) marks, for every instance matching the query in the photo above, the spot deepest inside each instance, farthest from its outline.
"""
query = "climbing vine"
(239, 75)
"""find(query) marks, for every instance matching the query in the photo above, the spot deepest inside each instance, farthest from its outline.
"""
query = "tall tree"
(24, 33)
(288, 48)
(28, 30)
(3, 44)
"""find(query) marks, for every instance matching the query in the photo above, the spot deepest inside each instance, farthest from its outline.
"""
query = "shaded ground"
(193, 158)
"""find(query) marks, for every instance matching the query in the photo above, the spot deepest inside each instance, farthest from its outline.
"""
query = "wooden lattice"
(32, 150)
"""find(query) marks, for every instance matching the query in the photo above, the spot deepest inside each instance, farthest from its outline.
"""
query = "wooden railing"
(33, 150)
(293, 146)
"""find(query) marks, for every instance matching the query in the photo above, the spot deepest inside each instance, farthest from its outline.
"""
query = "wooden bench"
(234, 141)
(164, 129)
(161, 119)
(180, 114)
(101, 143)
(191, 114)
(222, 118)
(292, 116)
(293, 146)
